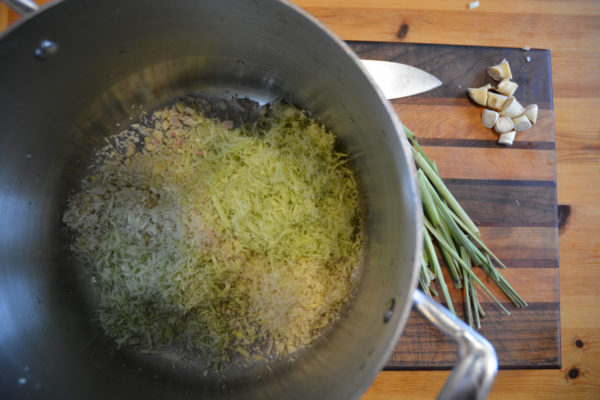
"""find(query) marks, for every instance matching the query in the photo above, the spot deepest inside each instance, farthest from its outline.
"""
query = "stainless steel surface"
(45, 49)
(474, 374)
(117, 59)
(400, 80)
(21, 6)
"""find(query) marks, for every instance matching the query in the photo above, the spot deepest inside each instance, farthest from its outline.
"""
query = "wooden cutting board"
(510, 193)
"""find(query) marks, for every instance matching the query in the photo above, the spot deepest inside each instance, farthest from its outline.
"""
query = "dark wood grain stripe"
(506, 205)
(531, 262)
(499, 182)
(533, 330)
(523, 243)
(485, 144)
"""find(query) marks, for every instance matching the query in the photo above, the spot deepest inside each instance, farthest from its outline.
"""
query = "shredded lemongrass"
(229, 241)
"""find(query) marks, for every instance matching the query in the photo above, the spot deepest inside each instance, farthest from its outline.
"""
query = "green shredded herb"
(219, 239)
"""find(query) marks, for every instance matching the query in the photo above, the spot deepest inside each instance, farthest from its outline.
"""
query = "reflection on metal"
(474, 373)
(22, 7)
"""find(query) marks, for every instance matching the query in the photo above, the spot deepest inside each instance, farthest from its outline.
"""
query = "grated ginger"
(232, 242)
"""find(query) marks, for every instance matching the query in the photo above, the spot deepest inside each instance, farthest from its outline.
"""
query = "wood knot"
(579, 343)
(402, 31)
(573, 373)
(564, 212)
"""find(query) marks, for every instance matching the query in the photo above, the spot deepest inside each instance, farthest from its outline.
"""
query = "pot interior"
(116, 59)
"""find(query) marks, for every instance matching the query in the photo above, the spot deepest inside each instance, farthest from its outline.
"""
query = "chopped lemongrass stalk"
(458, 234)
(489, 118)
(454, 232)
(428, 205)
(532, 111)
(522, 123)
(504, 124)
(467, 300)
(477, 314)
(427, 274)
(507, 87)
(435, 168)
(500, 71)
(411, 136)
(444, 192)
(481, 259)
(443, 243)
(481, 311)
(431, 194)
(438, 271)
(477, 239)
(512, 108)
(450, 263)
(495, 101)
(467, 289)
(479, 95)
(507, 138)
(505, 286)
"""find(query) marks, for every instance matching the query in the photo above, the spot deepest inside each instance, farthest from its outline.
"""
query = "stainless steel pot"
(72, 73)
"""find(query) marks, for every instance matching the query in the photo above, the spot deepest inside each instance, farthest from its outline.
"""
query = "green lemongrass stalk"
(454, 232)
(438, 270)
(476, 254)
(443, 243)
(472, 293)
(413, 140)
(424, 277)
(467, 281)
(503, 284)
(435, 168)
(425, 265)
(428, 192)
(444, 192)
(428, 204)
(455, 274)
(483, 314)
(450, 263)
(477, 239)
(457, 233)
(424, 284)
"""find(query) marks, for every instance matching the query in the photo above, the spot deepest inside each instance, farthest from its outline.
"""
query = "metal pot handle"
(474, 373)
(21, 7)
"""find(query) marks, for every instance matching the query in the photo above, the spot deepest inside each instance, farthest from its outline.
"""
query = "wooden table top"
(571, 30)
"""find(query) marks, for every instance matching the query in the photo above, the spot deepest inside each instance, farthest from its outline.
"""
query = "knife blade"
(400, 80)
